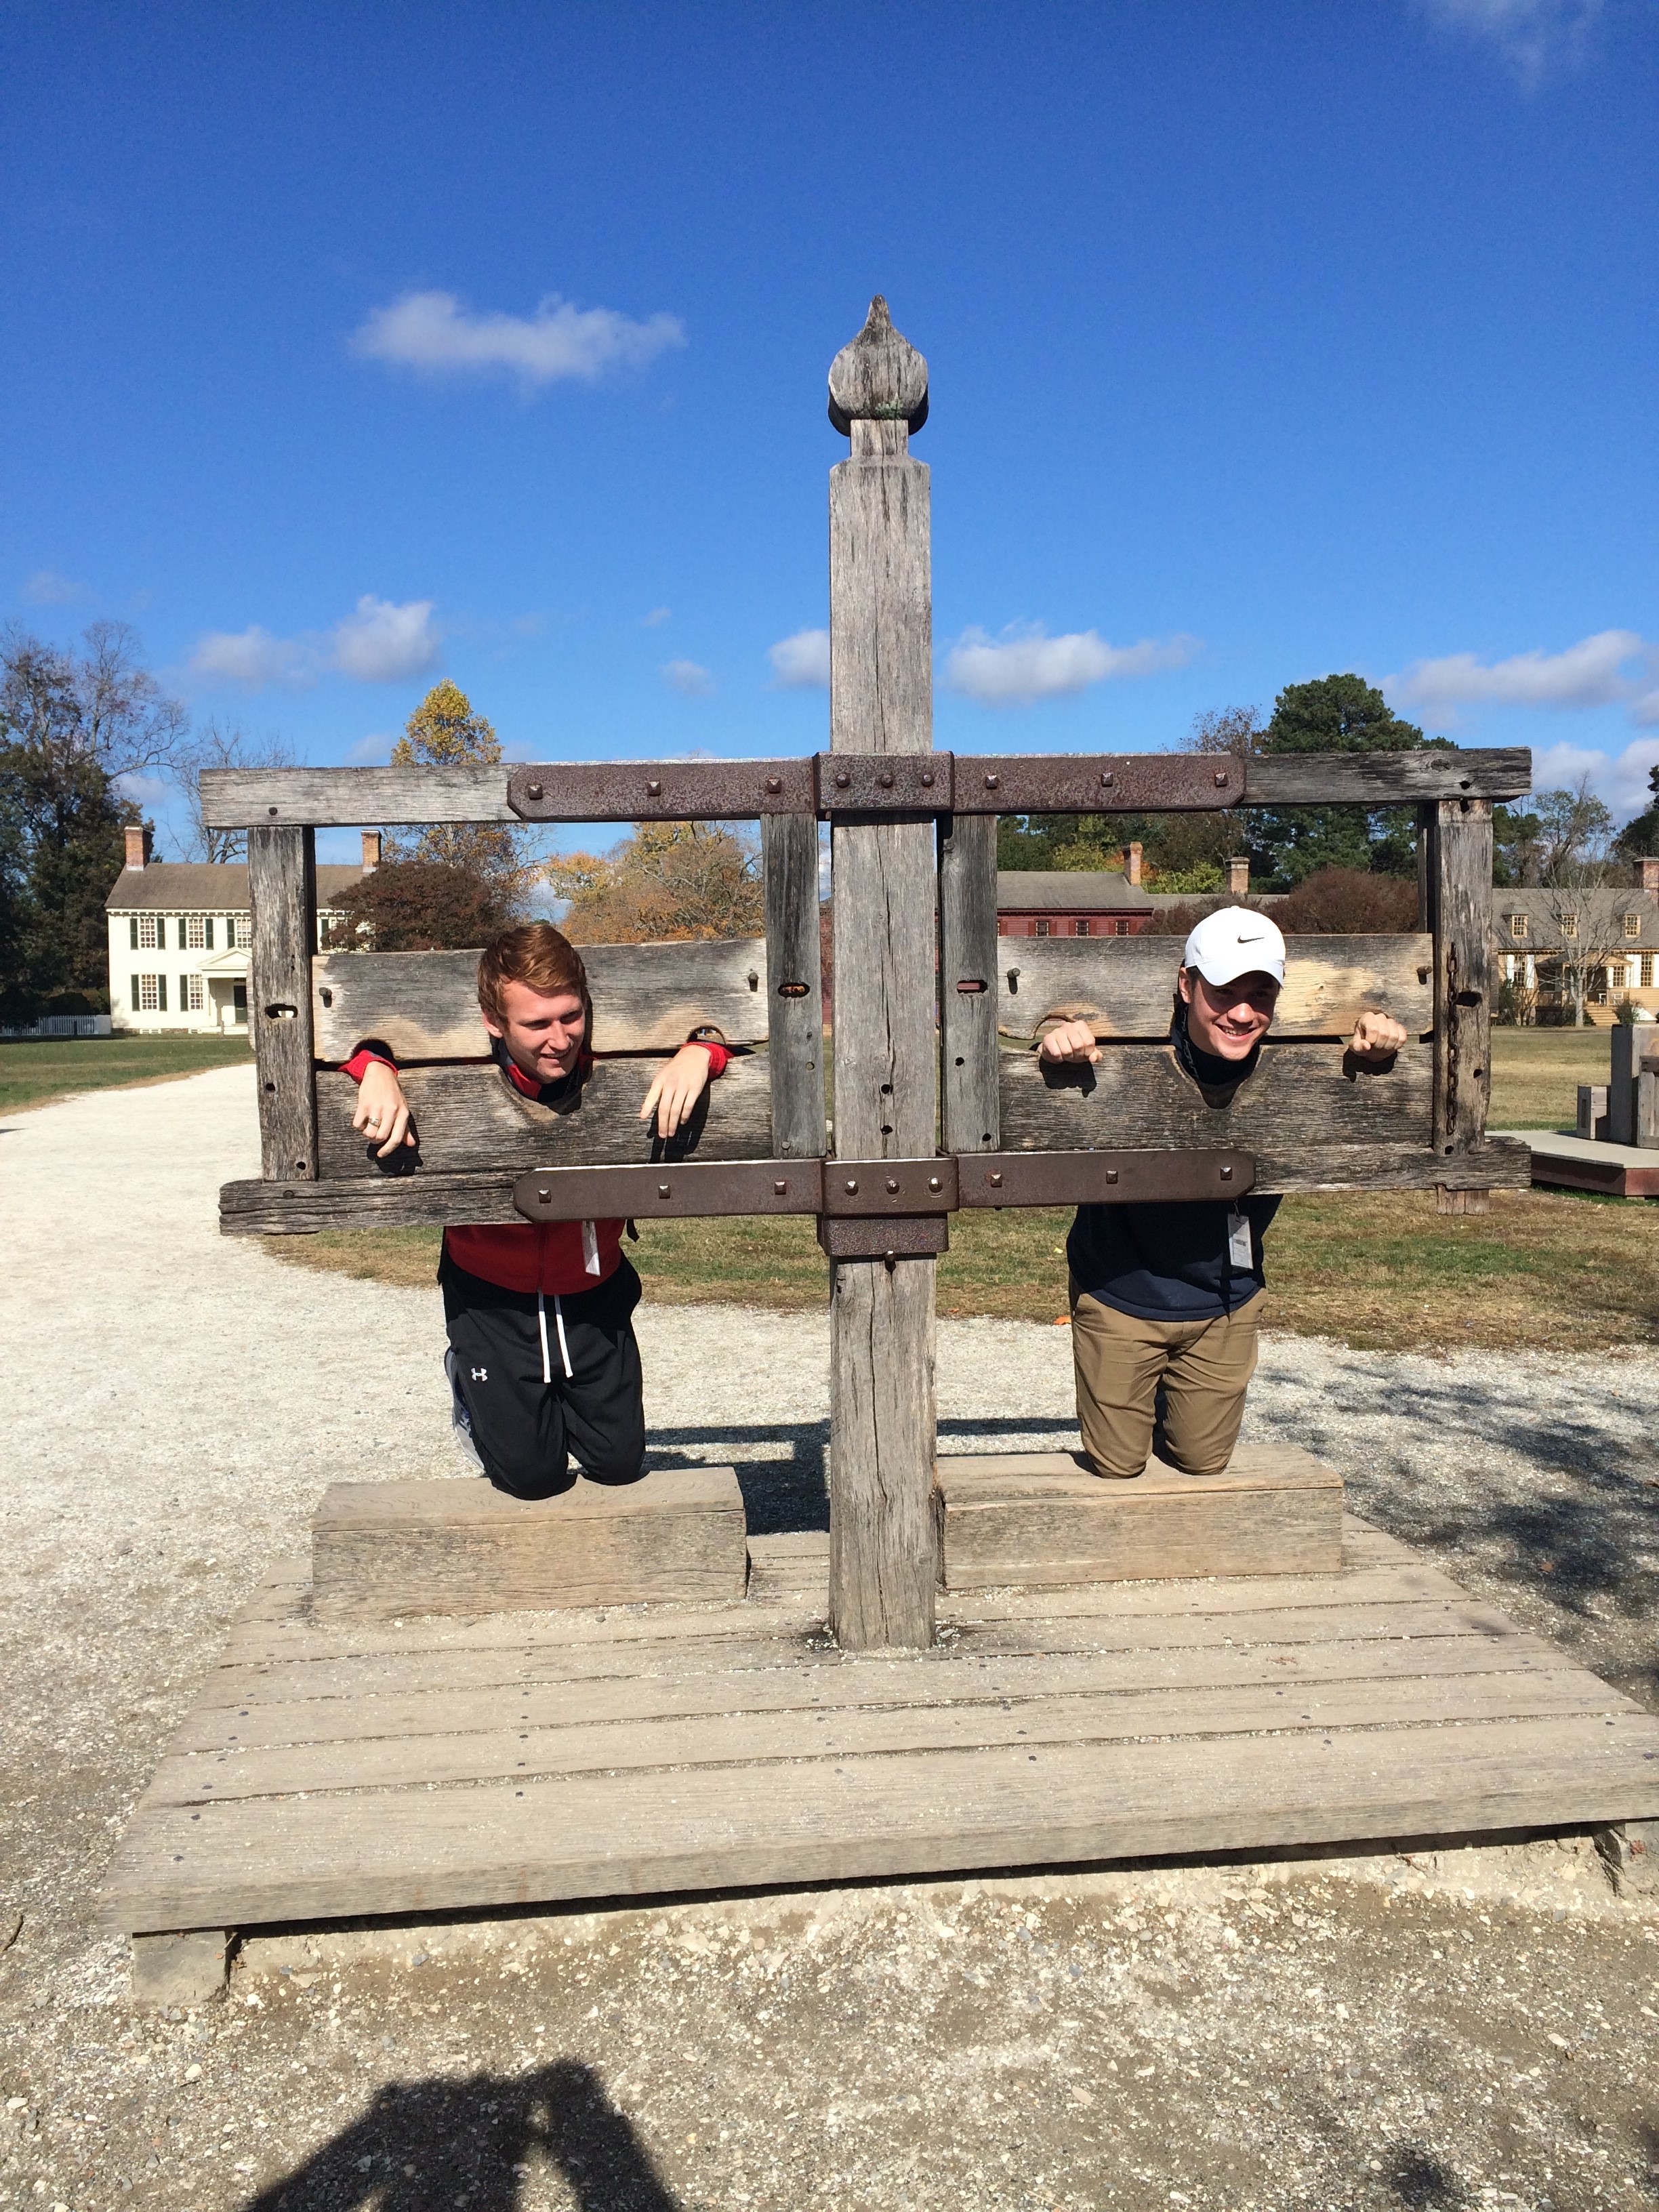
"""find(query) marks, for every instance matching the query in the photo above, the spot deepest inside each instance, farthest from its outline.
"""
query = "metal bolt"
(842, 779)
(653, 788)
(1226, 1175)
(995, 1178)
(933, 1183)
(780, 1190)
(662, 1190)
(852, 1187)
(545, 1197)
(271, 810)
(1111, 1175)
(928, 779)
(1106, 778)
(885, 779)
(892, 1183)
(775, 783)
(532, 790)
(1221, 779)
(991, 782)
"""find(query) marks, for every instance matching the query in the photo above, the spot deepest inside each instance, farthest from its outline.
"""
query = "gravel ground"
(1457, 2029)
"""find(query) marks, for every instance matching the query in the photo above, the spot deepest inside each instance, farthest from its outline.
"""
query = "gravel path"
(177, 1403)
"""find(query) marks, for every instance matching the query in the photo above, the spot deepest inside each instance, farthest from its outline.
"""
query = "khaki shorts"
(1202, 1367)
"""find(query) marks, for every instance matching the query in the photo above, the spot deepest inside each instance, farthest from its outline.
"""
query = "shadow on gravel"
(1420, 2180)
(784, 1492)
(429, 2146)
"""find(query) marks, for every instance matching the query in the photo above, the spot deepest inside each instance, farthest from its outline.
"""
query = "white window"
(1518, 925)
(1082, 926)
(192, 992)
(149, 994)
(196, 933)
(1647, 971)
(150, 927)
(1045, 928)
(1632, 924)
(1569, 924)
(1618, 975)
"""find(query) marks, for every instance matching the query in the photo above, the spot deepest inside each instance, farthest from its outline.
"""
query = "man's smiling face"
(1228, 1019)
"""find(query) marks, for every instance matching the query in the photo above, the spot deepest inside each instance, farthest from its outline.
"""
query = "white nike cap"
(1234, 942)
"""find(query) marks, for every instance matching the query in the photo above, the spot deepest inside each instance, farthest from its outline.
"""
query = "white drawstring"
(541, 1323)
(564, 1349)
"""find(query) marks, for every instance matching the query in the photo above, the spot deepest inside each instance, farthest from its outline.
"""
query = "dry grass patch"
(1535, 1075)
(1544, 1271)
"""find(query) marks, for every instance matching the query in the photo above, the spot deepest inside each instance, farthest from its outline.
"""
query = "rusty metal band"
(667, 1193)
(660, 791)
(1171, 1178)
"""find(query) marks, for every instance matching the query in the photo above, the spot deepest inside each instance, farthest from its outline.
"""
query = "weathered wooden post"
(1455, 840)
(881, 1543)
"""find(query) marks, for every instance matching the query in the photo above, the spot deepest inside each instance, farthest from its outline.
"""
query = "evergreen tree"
(1332, 715)
(1639, 839)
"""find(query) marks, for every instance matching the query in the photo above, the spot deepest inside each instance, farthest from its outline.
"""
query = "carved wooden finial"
(879, 378)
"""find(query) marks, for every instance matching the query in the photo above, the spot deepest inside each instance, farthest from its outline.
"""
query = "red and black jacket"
(559, 1258)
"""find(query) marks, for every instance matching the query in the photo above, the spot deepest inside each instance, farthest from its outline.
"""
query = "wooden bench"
(1041, 1519)
(384, 1551)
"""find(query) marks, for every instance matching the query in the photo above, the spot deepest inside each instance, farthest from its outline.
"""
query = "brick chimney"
(139, 842)
(1132, 863)
(1238, 875)
(371, 851)
(1647, 873)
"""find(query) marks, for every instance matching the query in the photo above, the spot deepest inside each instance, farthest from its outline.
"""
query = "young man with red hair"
(542, 1357)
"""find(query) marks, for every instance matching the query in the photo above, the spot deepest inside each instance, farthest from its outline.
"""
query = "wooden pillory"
(940, 1103)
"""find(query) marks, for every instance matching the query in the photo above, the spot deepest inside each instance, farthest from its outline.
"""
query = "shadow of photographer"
(432, 2146)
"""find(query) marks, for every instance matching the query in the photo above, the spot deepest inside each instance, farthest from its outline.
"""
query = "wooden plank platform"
(380, 1550)
(331, 1770)
(1044, 1520)
(1561, 1161)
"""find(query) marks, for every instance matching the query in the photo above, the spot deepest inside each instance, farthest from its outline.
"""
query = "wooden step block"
(384, 1550)
(1040, 1518)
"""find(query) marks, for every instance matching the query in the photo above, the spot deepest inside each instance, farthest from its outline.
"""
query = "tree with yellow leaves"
(443, 731)
(669, 880)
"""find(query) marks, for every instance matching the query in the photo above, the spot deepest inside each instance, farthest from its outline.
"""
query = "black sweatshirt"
(1174, 1263)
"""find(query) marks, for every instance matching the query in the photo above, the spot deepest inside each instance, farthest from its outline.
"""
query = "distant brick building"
(1090, 902)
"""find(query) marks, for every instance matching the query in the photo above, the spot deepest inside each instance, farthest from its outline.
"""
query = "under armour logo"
(481, 1375)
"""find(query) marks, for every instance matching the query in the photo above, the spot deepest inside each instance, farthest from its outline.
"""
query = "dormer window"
(1518, 925)
(1632, 924)
(1569, 924)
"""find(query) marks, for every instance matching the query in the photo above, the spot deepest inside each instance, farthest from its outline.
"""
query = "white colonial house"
(178, 933)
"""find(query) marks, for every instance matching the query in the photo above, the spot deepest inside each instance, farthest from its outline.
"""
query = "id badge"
(1239, 1250)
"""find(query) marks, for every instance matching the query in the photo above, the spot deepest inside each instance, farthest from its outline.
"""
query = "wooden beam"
(1387, 779)
(1300, 1095)
(281, 881)
(971, 982)
(647, 998)
(1125, 985)
(882, 1545)
(468, 1117)
(795, 1015)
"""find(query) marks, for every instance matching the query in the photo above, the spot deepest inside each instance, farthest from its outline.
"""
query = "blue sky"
(349, 346)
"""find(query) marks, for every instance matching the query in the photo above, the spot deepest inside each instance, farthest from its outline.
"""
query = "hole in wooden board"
(791, 990)
(280, 1012)
(971, 983)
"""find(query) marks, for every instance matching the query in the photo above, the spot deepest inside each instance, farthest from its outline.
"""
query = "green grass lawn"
(35, 1070)
(1535, 1074)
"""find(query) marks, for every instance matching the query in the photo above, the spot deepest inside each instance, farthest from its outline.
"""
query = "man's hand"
(677, 1089)
(1070, 1043)
(1377, 1036)
(382, 1109)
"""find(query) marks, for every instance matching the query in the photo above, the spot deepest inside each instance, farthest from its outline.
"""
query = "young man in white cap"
(1166, 1298)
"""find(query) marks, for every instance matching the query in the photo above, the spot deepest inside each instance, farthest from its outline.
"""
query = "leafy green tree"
(72, 724)
(1639, 839)
(1332, 715)
(443, 731)
(669, 879)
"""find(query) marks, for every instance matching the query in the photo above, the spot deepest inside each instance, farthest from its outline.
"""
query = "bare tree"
(1238, 730)
(1586, 920)
(219, 745)
(1574, 832)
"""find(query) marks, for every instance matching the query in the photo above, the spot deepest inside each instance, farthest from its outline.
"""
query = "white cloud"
(380, 642)
(433, 332)
(1620, 778)
(656, 618)
(46, 588)
(801, 662)
(383, 643)
(253, 657)
(1024, 663)
(372, 750)
(1530, 34)
(1597, 671)
(686, 677)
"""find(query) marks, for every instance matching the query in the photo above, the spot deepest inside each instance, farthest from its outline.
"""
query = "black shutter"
(135, 980)
(134, 924)
(160, 994)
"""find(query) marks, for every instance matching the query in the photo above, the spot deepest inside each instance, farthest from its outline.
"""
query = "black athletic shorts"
(543, 1378)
